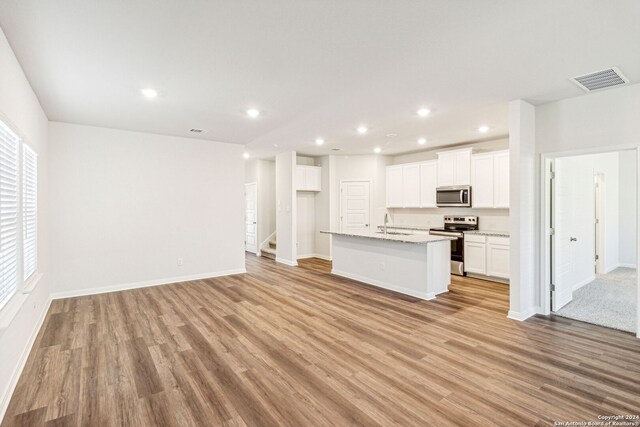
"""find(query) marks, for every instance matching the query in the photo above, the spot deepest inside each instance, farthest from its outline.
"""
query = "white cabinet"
(498, 257)
(394, 187)
(411, 186)
(487, 255)
(475, 257)
(308, 178)
(501, 179)
(490, 180)
(403, 186)
(482, 180)
(428, 183)
(454, 167)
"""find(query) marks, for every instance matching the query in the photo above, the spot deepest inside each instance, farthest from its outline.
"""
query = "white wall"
(602, 119)
(127, 205)
(524, 292)
(598, 121)
(286, 208)
(628, 195)
(20, 108)
(305, 224)
(432, 154)
(364, 167)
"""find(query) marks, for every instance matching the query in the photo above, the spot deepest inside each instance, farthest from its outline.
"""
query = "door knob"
(573, 239)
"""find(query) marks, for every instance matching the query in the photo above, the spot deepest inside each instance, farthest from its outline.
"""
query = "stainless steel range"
(455, 226)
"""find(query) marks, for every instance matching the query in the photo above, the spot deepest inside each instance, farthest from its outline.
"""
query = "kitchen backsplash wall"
(488, 219)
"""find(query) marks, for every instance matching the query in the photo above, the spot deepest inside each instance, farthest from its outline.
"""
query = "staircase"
(270, 252)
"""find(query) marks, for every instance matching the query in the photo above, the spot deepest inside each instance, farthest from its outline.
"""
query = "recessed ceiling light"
(149, 93)
(319, 141)
(362, 129)
(377, 150)
(483, 129)
(336, 149)
(422, 141)
(245, 155)
(391, 135)
(423, 112)
(275, 145)
(253, 113)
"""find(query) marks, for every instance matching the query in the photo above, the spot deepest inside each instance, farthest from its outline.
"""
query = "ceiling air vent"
(603, 79)
(196, 130)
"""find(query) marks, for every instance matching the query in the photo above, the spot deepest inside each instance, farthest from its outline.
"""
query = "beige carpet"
(609, 301)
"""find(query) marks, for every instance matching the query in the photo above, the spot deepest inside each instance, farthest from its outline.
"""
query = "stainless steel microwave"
(458, 196)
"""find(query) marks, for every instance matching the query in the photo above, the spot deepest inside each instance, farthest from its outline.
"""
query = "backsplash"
(488, 219)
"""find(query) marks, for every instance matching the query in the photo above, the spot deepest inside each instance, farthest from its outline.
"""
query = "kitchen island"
(412, 264)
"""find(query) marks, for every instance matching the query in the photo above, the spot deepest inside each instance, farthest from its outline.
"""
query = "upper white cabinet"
(412, 185)
(428, 183)
(490, 180)
(454, 167)
(308, 178)
(395, 189)
(501, 179)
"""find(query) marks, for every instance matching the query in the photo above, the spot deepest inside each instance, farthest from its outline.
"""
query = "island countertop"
(420, 239)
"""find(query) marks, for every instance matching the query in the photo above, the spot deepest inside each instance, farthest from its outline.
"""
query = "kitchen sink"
(393, 233)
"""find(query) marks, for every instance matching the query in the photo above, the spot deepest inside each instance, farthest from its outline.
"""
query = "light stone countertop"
(489, 233)
(406, 227)
(420, 239)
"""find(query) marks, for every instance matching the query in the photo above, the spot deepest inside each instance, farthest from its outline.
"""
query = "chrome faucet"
(386, 220)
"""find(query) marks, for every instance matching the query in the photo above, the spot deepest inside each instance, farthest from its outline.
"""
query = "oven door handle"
(445, 233)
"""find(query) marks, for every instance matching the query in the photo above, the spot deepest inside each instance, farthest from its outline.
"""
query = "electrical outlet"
(180, 262)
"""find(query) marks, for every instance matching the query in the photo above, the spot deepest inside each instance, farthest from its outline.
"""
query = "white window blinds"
(9, 187)
(29, 211)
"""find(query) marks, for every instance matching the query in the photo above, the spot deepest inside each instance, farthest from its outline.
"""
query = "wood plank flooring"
(298, 347)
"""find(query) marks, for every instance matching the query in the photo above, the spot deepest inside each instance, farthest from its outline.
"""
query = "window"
(9, 212)
(29, 211)
(18, 213)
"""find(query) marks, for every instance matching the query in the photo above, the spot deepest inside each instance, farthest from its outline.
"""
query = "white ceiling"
(315, 67)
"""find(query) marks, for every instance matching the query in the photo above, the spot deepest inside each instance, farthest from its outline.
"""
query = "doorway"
(591, 216)
(251, 217)
(355, 206)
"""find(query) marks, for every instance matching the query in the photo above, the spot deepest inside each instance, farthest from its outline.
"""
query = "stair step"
(268, 253)
(272, 244)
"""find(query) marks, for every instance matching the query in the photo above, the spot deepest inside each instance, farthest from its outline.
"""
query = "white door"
(482, 180)
(354, 206)
(411, 186)
(599, 214)
(428, 184)
(562, 243)
(251, 217)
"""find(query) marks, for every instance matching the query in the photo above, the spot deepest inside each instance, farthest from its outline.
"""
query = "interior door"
(354, 206)
(562, 212)
(251, 217)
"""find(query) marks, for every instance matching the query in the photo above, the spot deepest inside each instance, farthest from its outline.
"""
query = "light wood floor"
(298, 347)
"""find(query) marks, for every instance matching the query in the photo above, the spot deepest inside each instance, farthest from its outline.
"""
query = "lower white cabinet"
(498, 257)
(486, 255)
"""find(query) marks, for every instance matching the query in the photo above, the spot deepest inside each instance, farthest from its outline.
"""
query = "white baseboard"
(15, 376)
(627, 265)
(286, 262)
(524, 315)
(384, 285)
(324, 257)
(158, 282)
